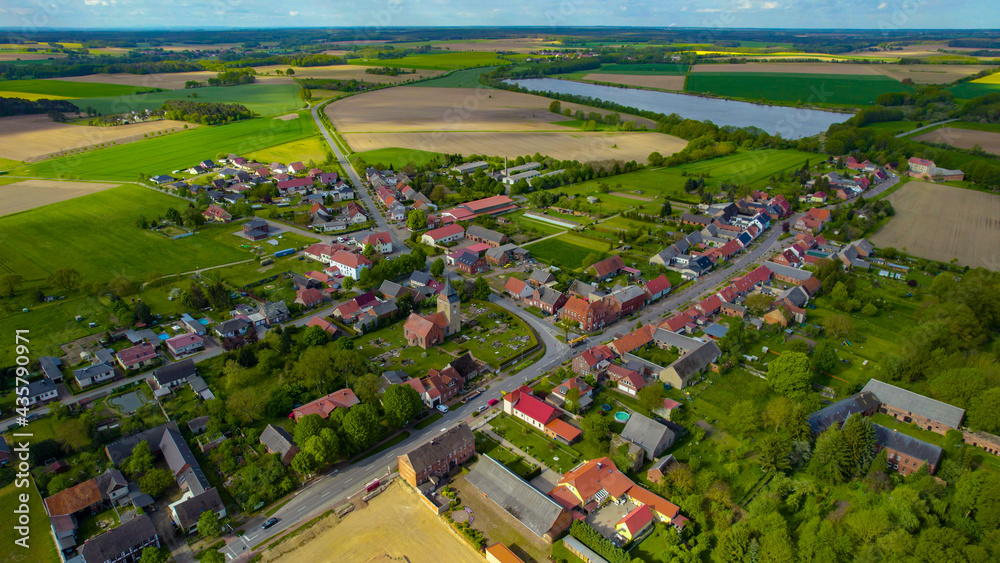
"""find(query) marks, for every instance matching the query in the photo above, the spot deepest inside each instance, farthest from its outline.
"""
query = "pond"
(790, 123)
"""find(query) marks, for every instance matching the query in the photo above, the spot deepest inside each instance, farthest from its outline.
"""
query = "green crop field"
(970, 90)
(466, 78)
(397, 157)
(41, 549)
(265, 99)
(751, 167)
(69, 89)
(162, 155)
(894, 127)
(96, 234)
(660, 69)
(835, 89)
(438, 61)
(567, 250)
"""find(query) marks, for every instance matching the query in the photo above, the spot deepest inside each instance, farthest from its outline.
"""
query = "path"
(919, 129)
(543, 238)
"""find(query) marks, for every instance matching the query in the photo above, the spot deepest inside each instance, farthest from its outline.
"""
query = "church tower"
(448, 304)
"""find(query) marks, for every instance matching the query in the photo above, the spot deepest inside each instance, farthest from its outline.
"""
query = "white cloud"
(293, 13)
(883, 6)
(769, 5)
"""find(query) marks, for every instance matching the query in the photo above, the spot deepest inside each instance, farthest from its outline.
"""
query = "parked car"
(482, 408)
(492, 402)
(442, 408)
(268, 523)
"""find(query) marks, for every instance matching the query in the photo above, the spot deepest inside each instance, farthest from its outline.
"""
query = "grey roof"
(548, 295)
(664, 337)
(734, 306)
(468, 258)
(390, 288)
(182, 462)
(104, 355)
(838, 412)
(395, 377)
(198, 424)
(583, 288)
(92, 371)
(272, 309)
(628, 293)
(795, 295)
(439, 447)
(542, 276)
(788, 271)
(525, 503)
(647, 434)
(917, 404)
(907, 445)
(232, 325)
(197, 384)
(696, 360)
(190, 510)
(664, 256)
(484, 233)
(420, 278)
(111, 544)
(385, 308)
(578, 547)
(277, 439)
(700, 219)
(716, 330)
(118, 451)
(176, 371)
(50, 367)
(41, 386)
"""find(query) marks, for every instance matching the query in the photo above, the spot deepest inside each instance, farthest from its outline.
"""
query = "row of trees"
(206, 113)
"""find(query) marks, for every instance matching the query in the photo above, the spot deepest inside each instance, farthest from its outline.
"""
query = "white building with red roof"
(522, 404)
(381, 242)
(446, 234)
(349, 264)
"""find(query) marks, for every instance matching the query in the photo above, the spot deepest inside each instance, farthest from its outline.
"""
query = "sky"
(26, 15)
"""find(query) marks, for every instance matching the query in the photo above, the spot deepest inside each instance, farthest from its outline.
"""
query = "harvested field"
(394, 525)
(963, 139)
(30, 56)
(944, 223)
(165, 80)
(789, 68)
(31, 96)
(29, 194)
(644, 80)
(632, 196)
(448, 109)
(580, 146)
(35, 137)
(929, 74)
(342, 72)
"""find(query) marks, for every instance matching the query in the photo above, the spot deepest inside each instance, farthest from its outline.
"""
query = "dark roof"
(182, 462)
(50, 367)
(484, 233)
(232, 325)
(465, 365)
(696, 360)
(529, 506)
(198, 424)
(277, 439)
(92, 370)
(111, 544)
(176, 371)
(118, 451)
(917, 404)
(838, 412)
(190, 510)
(36, 388)
(907, 445)
(647, 434)
(395, 377)
(439, 447)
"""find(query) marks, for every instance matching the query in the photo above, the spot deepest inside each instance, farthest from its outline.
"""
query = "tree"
(160, 555)
(777, 413)
(401, 404)
(65, 278)
(211, 556)
(361, 425)
(596, 429)
(655, 159)
(437, 267)
(869, 310)
(983, 412)
(758, 303)
(745, 417)
(324, 448)
(651, 397)
(830, 457)
(859, 438)
(290, 72)
(772, 454)
(305, 463)
(173, 216)
(482, 290)
(666, 210)
(142, 313)
(839, 326)
(572, 403)
(347, 283)
(307, 427)
(121, 286)
(156, 482)
(824, 357)
(209, 524)
(9, 283)
(416, 220)
(140, 461)
(790, 374)
(555, 106)
(366, 388)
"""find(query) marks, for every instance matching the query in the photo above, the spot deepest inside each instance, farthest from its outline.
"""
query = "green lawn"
(544, 228)
(507, 458)
(265, 99)
(51, 324)
(839, 89)
(467, 78)
(969, 90)
(162, 155)
(655, 69)
(536, 444)
(567, 250)
(70, 89)
(894, 127)
(437, 60)
(397, 157)
(41, 548)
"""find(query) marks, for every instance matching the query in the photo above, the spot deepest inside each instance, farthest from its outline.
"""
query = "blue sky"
(716, 14)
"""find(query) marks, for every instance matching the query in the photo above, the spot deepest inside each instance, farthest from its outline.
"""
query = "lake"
(790, 123)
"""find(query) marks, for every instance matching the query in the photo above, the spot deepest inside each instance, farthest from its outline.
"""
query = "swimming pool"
(622, 416)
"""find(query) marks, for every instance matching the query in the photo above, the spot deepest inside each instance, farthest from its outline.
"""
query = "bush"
(594, 540)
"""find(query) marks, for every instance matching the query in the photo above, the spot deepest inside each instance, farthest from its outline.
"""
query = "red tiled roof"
(515, 285)
(635, 339)
(535, 409)
(377, 238)
(309, 296)
(350, 260)
(446, 231)
(74, 499)
(608, 265)
(344, 398)
(636, 520)
(665, 509)
(564, 430)
(136, 354)
(323, 324)
(658, 285)
(597, 474)
(481, 205)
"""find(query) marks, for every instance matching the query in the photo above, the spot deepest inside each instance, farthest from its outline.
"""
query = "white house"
(41, 391)
(349, 264)
(94, 374)
(381, 242)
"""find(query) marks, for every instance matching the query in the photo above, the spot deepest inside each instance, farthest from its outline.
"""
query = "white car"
(442, 408)
(482, 408)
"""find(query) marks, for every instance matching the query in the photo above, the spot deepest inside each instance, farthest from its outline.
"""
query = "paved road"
(892, 181)
(919, 129)
(356, 182)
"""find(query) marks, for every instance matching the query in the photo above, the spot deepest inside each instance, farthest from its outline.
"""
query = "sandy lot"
(29, 194)
(944, 223)
(581, 146)
(35, 137)
(929, 74)
(342, 72)
(644, 80)
(395, 524)
(789, 68)
(410, 109)
(963, 139)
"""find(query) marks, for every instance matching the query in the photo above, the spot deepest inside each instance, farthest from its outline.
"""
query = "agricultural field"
(929, 74)
(341, 72)
(466, 78)
(29, 194)
(41, 548)
(265, 99)
(68, 88)
(656, 81)
(397, 157)
(304, 150)
(989, 141)
(173, 152)
(567, 250)
(970, 90)
(165, 80)
(787, 68)
(944, 223)
(395, 526)
(830, 89)
(35, 137)
(894, 127)
(438, 60)
(638, 69)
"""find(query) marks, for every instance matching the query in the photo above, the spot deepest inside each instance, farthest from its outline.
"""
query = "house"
(342, 399)
(430, 330)
(381, 242)
(470, 167)
(438, 456)
(863, 403)
(585, 291)
(813, 221)
(310, 297)
(625, 380)
(543, 516)
(439, 386)
(186, 343)
(657, 287)
(123, 544)
(558, 394)
(910, 407)
(546, 299)
(175, 374)
(788, 274)
(278, 441)
(589, 315)
(920, 168)
(635, 523)
(633, 340)
(443, 235)
(648, 434)
(500, 553)
(495, 205)
(906, 454)
(256, 229)
(94, 374)
(494, 239)
(593, 361)
(232, 328)
(41, 391)
(659, 470)
(162, 179)
(215, 213)
(137, 357)
(696, 361)
(517, 289)
(471, 264)
(49, 367)
(522, 404)
(626, 300)
(350, 264)
(733, 310)
(541, 277)
(607, 268)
